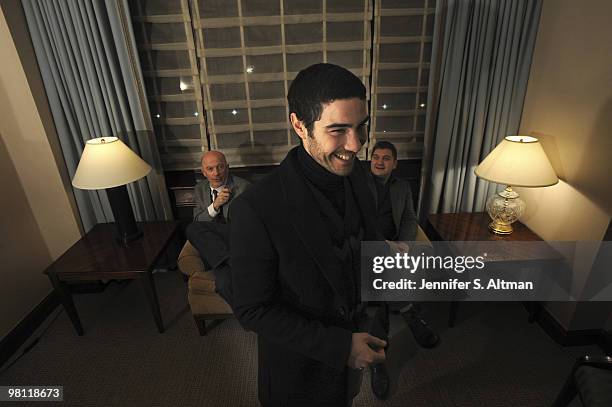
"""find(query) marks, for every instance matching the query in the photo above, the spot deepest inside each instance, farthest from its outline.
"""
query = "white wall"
(38, 222)
(569, 107)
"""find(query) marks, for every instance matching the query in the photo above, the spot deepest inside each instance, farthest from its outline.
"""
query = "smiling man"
(295, 256)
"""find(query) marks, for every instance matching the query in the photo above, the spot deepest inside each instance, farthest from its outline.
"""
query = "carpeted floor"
(493, 357)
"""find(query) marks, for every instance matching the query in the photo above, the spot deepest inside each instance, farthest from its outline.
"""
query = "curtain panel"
(480, 67)
(89, 64)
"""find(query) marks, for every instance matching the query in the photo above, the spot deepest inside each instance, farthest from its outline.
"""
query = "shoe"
(424, 335)
(380, 381)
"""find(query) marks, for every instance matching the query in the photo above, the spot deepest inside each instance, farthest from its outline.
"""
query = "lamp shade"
(106, 163)
(519, 161)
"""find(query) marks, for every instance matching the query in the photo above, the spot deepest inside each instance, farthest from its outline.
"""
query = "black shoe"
(424, 335)
(380, 381)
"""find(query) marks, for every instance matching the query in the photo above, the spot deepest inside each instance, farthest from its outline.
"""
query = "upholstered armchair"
(591, 381)
(206, 304)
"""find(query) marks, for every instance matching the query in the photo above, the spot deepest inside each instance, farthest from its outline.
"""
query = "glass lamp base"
(504, 208)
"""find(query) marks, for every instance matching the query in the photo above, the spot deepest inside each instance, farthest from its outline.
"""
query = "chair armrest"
(189, 261)
(583, 381)
(421, 236)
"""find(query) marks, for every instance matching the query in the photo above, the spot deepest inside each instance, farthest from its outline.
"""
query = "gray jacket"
(203, 199)
(402, 206)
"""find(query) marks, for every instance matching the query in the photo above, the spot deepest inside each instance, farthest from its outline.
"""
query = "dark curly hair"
(320, 84)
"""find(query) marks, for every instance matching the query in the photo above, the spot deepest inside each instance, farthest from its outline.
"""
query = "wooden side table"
(475, 227)
(97, 256)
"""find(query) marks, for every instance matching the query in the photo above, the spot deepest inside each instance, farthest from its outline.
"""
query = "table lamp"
(518, 161)
(109, 164)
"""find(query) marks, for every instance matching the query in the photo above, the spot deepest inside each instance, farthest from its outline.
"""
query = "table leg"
(61, 288)
(151, 293)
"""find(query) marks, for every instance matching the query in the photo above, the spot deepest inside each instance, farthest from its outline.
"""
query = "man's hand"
(222, 197)
(398, 247)
(366, 350)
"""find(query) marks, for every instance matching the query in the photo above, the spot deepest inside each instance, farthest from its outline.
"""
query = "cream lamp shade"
(106, 163)
(518, 161)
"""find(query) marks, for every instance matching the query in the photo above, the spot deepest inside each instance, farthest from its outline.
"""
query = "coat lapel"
(235, 193)
(206, 192)
(308, 224)
(398, 200)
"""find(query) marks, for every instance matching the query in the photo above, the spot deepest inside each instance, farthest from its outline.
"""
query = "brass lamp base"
(500, 228)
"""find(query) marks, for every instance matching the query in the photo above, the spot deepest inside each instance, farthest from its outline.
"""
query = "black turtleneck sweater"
(330, 185)
(344, 226)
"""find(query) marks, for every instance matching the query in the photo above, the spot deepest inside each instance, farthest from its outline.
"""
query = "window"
(402, 51)
(217, 71)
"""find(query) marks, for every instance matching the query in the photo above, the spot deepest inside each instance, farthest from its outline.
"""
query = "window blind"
(218, 71)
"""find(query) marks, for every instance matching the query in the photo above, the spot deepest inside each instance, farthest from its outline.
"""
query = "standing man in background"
(397, 221)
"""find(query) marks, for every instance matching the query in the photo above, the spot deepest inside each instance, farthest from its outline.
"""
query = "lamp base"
(500, 228)
(125, 224)
(123, 238)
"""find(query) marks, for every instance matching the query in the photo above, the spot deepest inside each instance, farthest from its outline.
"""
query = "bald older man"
(214, 195)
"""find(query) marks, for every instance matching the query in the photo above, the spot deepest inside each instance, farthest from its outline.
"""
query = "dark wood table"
(473, 227)
(97, 256)
(462, 227)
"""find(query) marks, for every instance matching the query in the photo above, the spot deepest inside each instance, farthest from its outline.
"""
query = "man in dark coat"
(396, 221)
(295, 250)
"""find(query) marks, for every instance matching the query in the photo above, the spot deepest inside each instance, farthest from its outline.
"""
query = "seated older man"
(214, 195)
(209, 233)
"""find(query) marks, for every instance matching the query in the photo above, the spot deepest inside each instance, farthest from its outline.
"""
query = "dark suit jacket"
(402, 206)
(289, 289)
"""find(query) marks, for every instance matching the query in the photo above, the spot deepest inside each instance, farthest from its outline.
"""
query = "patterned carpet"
(493, 357)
